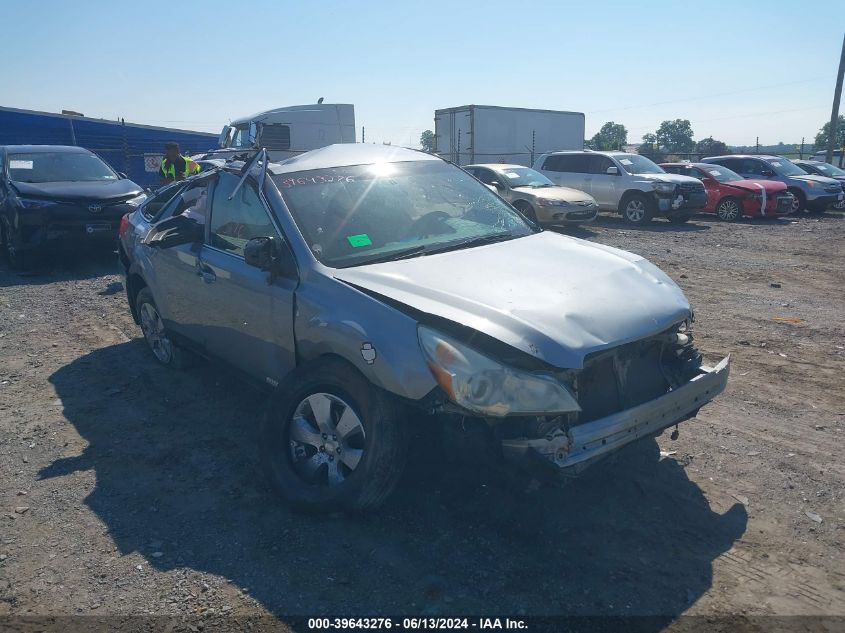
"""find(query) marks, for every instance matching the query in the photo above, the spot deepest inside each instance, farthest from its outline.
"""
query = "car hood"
(771, 186)
(675, 178)
(822, 180)
(99, 190)
(556, 193)
(554, 297)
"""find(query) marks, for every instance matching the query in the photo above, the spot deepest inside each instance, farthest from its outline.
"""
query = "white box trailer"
(289, 130)
(492, 134)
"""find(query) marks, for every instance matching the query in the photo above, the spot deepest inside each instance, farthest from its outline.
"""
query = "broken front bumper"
(585, 442)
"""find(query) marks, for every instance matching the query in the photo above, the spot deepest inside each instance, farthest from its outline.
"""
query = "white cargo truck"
(288, 131)
(491, 134)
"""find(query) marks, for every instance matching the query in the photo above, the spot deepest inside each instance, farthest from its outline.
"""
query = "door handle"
(205, 271)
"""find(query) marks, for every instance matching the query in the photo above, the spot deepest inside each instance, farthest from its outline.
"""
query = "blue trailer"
(133, 149)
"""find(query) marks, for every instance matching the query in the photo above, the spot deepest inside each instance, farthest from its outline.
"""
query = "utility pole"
(363, 134)
(757, 146)
(834, 114)
(801, 153)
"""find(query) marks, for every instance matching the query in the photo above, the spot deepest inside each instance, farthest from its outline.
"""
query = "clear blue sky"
(766, 68)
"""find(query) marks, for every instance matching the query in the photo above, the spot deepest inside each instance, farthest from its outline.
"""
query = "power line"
(712, 96)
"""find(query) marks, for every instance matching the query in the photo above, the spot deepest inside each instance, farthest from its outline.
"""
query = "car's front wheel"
(331, 441)
(18, 259)
(799, 202)
(729, 209)
(636, 209)
(527, 210)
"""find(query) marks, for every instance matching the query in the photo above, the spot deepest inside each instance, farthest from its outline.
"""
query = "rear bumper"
(586, 442)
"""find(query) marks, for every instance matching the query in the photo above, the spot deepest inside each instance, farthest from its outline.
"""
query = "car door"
(754, 168)
(603, 185)
(246, 317)
(567, 170)
(174, 279)
(494, 181)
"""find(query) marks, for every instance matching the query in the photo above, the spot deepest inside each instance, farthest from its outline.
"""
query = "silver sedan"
(537, 197)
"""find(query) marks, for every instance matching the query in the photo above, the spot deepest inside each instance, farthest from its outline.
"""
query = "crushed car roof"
(347, 154)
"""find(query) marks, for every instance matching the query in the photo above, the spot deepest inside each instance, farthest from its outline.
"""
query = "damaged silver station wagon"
(372, 285)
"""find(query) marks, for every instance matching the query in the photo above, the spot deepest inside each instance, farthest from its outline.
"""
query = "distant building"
(133, 149)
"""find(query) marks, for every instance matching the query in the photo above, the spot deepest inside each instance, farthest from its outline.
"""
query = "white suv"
(629, 184)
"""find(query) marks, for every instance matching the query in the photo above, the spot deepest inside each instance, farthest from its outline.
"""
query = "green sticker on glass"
(357, 241)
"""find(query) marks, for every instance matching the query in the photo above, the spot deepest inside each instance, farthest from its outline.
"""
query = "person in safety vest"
(174, 166)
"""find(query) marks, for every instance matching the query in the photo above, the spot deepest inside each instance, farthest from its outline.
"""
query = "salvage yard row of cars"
(50, 195)
(731, 187)
(372, 288)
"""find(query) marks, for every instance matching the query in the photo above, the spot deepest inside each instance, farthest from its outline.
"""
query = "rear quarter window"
(570, 163)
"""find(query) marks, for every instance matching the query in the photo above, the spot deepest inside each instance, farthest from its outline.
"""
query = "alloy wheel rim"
(635, 210)
(729, 210)
(796, 204)
(153, 329)
(326, 439)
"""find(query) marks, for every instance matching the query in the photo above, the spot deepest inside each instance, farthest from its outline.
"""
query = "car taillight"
(124, 224)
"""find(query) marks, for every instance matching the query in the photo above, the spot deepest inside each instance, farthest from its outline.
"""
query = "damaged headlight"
(137, 200)
(481, 384)
(664, 187)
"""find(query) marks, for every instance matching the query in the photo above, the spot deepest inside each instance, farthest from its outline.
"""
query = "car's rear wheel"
(331, 441)
(729, 209)
(163, 348)
(799, 202)
(526, 209)
(636, 209)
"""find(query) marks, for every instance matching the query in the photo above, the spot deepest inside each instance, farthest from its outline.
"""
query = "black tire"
(526, 209)
(18, 260)
(679, 219)
(636, 209)
(380, 440)
(729, 209)
(800, 203)
(164, 350)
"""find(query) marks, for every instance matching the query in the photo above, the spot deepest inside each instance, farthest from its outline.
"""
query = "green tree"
(427, 141)
(711, 147)
(610, 136)
(675, 136)
(650, 148)
(824, 134)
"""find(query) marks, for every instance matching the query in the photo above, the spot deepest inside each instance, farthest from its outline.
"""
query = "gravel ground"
(129, 489)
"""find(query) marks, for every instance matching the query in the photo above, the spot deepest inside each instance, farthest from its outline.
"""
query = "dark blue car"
(52, 195)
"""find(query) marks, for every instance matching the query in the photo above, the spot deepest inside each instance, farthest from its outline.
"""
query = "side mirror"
(612, 171)
(174, 231)
(265, 254)
(497, 185)
(260, 252)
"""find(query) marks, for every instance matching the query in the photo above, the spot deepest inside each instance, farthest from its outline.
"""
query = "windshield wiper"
(477, 241)
(405, 253)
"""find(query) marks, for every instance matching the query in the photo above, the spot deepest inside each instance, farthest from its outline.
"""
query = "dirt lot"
(130, 489)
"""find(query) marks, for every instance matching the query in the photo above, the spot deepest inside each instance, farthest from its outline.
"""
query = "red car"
(730, 196)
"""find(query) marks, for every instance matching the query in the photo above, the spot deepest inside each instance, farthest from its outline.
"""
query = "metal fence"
(801, 151)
